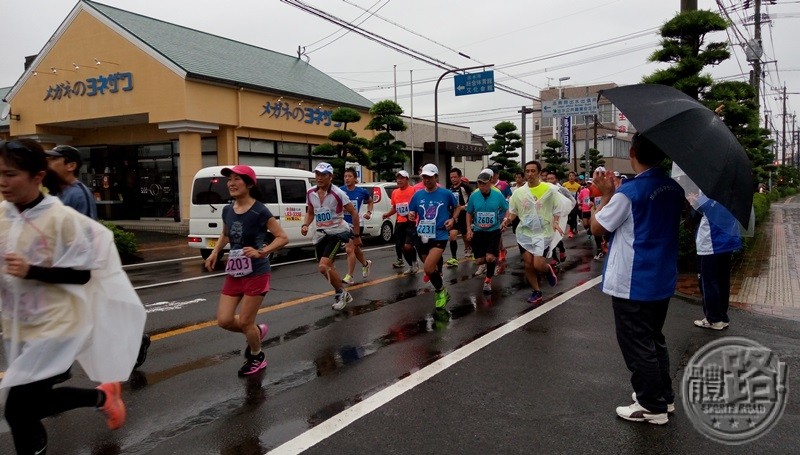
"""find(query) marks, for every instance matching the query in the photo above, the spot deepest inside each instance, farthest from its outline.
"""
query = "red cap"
(242, 170)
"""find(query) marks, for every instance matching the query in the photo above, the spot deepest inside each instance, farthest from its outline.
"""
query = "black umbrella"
(694, 137)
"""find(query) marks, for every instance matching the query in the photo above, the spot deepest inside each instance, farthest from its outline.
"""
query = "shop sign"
(310, 115)
(91, 86)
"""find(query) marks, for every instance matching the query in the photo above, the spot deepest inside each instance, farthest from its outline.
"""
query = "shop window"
(258, 146)
(291, 162)
(293, 191)
(292, 148)
(254, 159)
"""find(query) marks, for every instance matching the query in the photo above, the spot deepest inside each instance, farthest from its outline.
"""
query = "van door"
(293, 208)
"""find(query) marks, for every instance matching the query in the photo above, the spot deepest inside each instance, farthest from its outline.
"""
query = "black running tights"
(28, 404)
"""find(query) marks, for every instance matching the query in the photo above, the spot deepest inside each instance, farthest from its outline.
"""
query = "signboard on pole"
(566, 135)
(570, 106)
(356, 166)
(474, 83)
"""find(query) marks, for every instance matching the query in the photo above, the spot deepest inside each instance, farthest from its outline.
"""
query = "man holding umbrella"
(642, 217)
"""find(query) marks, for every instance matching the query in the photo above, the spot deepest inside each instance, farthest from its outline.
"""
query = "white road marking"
(158, 307)
(329, 427)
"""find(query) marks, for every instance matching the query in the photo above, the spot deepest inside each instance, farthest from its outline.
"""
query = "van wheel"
(205, 253)
(386, 231)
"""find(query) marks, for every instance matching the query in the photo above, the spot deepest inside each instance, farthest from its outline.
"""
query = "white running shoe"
(481, 270)
(341, 300)
(365, 269)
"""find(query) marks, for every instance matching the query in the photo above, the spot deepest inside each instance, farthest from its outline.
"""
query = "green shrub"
(125, 241)
(774, 195)
(761, 203)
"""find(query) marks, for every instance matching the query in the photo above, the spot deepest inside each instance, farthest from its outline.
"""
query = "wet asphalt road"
(548, 387)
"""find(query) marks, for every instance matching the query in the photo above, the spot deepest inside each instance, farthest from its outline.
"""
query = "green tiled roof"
(206, 56)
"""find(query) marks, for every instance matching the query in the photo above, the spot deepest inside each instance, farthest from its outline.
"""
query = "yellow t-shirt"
(539, 190)
(573, 187)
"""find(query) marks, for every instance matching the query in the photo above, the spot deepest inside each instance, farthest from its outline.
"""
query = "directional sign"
(566, 135)
(472, 84)
(570, 106)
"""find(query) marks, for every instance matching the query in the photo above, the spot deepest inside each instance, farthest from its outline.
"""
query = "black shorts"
(461, 223)
(329, 246)
(484, 242)
(425, 248)
(586, 215)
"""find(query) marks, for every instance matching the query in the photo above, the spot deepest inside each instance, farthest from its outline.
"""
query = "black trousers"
(644, 349)
(28, 404)
(715, 284)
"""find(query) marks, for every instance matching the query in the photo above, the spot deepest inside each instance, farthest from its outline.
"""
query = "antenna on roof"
(301, 52)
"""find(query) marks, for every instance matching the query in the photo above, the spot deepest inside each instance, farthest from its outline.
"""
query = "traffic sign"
(570, 106)
(472, 84)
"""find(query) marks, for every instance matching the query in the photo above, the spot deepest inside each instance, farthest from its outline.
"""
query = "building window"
(458, 159)
(547, 122)
(208, 151)
(606, 114)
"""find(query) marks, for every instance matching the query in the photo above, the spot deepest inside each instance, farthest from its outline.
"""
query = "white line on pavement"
(338, 422)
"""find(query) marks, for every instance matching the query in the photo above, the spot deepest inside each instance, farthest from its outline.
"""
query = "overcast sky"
(524, 39)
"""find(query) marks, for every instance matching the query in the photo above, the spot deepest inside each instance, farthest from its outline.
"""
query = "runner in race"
(326, 207)
(435, 209)
(358, 195)
(484, 209)
(462, 191)
(245, 223)
(400, 198)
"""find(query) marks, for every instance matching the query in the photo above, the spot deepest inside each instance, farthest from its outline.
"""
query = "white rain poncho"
(536, 215)
(46, 327)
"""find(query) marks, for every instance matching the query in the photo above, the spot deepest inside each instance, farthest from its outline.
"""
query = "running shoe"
(502, 256)
(253, 364)
(262, 333)
(142, 351)
(348, 279)
(552, 278)
(599, 256)
(365, 269)
(535, 297)
(703, 323)
(562, 256)
(636, 413)
(413, 269)
(468, 254)
(425, 278)
(113, 407)
(341, 300)
(670, 406)
(452, 262)
(398, 264)
(481, 270)
(487, 286)
(442, 297)
(571, 234)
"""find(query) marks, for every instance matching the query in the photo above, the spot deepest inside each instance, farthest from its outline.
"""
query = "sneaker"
(599, 256)
(468, 255)
(571, 234)
(487, 286)
(562, 256)
(142, 351)
(502, 256)
(481, 270)
(636, 413)
(552, 278)
(452, 262)
(703, 323)
(413, 269)
(113, 407)
(365, 269)
(398, 264)
(341, 300)
(670, 406)
(262, 333)
(535, 297)
(442, 297)
(253, 364)
(347, 279)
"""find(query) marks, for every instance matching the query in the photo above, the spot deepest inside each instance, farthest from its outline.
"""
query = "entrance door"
(157, 183)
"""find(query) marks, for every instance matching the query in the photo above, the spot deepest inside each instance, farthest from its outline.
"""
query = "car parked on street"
(376, 226)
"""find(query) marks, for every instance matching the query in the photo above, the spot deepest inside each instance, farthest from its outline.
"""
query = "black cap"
(70, 154)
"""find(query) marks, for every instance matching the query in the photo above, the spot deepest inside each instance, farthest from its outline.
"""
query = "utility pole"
(524, 111)
(783, 152)
(688, 5)
(756, 80)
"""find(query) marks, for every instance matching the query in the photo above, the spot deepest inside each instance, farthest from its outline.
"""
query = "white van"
(284, 190)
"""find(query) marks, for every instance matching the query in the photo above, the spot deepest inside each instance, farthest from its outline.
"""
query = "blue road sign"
(472, 84)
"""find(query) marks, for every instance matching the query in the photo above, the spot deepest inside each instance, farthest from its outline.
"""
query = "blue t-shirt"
(433, 210)
(718, 231)
(358, 196)
(487, 211)
(77, 196)
(248, 229)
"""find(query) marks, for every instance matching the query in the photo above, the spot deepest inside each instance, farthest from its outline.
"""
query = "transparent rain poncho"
(46, 327)
(536, 214)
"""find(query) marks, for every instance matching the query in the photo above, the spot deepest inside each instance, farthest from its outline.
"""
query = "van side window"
(210, 190)
(268, 189)
(293, 191)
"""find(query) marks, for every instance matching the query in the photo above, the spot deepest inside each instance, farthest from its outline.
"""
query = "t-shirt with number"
(433, 209)
(328, 212)
(358, 196)
(400, 199)
(486, 210)
(248, 229)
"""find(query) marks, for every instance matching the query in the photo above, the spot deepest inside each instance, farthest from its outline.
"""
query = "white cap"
(487, 171)
(402, 174)
(429, 170)
(324, 168)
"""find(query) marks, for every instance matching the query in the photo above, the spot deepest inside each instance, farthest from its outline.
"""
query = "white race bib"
(323, 216)
(402, 208)
(484, 220)
(238, 264)
(426, 229)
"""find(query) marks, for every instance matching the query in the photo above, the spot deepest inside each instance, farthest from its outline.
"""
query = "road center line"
(341, 420)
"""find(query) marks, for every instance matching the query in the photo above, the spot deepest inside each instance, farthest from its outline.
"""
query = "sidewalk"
(766, 278)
